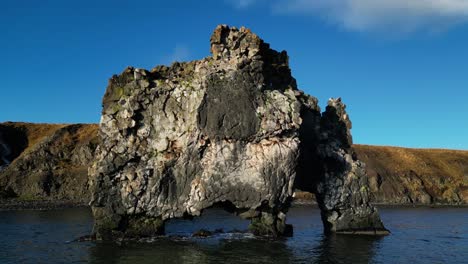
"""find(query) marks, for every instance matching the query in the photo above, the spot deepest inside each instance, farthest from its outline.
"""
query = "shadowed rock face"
(228, 128)
(342, 188)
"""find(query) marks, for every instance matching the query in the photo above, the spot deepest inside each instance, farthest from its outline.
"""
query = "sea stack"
(231, 129)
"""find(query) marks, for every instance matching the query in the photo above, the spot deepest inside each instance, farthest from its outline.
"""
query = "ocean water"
(419, 235)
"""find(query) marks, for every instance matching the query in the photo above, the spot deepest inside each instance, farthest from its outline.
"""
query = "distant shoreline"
(41, 205)
(45, 205)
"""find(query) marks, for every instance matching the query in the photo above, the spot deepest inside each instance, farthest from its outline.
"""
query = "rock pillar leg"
(268, 224)
(343, 188)
(344, 203)
(110, 226)
(106, 224)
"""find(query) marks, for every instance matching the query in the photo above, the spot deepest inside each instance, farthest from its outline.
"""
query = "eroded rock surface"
(224, 129)
(342, 190)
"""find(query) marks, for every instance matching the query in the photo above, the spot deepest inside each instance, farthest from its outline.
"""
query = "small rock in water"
(202, 233)
(85, 238)
(219, 231)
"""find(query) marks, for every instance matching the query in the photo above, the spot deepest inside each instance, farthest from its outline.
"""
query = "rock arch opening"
(220, 218)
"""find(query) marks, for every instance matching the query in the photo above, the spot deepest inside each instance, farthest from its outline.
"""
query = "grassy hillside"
(48, 161)
(403, 175)
(20, 136)
(34, 132)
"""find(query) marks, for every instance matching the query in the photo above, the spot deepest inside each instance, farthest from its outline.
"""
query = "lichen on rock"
(177, 140)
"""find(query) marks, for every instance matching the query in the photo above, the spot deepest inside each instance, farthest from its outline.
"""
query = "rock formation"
(233, 129)
(342, 188)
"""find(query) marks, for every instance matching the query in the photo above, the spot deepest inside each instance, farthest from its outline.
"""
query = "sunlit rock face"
(176, 140)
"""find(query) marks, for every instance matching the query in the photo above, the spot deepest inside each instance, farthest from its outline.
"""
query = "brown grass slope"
(49, 161)
(416, 176)
(22, 136)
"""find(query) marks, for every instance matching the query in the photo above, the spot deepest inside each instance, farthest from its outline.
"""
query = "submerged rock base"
(232, 128)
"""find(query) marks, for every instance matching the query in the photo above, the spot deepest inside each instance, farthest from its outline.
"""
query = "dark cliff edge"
(45, 162)
(397, 176)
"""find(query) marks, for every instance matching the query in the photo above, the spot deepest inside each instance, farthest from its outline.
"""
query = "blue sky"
(401, 66)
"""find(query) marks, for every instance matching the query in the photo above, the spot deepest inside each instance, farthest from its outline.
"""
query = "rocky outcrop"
(233, 129)
(342, 188)
(47, 162)
(415, 176)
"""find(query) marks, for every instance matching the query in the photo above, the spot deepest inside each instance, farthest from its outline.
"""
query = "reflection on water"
(346, 249)
(418, 236)
(170, 251)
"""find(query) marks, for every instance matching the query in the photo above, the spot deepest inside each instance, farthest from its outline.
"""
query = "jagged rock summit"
(231, 129)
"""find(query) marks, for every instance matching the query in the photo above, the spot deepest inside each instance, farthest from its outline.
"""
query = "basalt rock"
(232, 128)
(342, 188)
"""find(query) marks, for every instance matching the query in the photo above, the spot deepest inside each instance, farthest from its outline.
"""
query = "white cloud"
(180, 53)
(376, 15)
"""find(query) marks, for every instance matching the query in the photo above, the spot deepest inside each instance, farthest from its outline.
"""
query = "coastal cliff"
(46, 161)
(415, 176)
